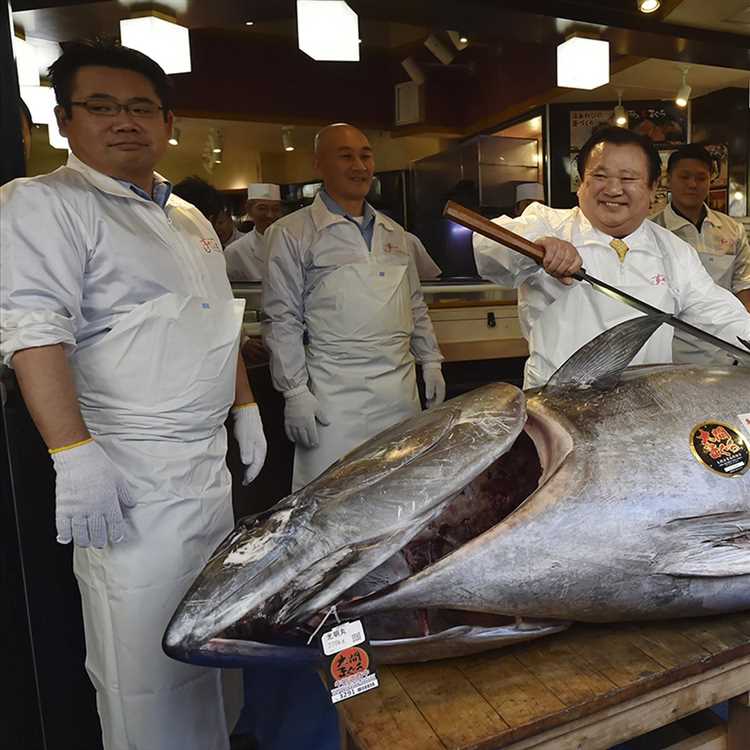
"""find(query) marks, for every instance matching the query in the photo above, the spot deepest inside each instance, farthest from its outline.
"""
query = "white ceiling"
(732, 16)
(660, 79)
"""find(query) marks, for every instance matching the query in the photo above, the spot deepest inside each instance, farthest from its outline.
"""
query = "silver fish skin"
(288, 564)
(612, 518)
(630, 526)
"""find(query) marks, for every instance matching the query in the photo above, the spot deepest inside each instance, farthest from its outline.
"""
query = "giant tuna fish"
(610, 494)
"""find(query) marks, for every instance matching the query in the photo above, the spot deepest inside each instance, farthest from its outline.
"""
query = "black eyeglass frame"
(127, 107)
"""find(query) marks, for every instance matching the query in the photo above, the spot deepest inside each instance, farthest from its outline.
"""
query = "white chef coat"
(426, 266)
(723, 247)
(138, 296)
(65, 278)
(246, 258)
(234, 237)
(557, 320)
(303, 248)
(366, 321)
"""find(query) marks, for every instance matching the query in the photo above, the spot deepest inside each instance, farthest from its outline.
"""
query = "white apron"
(359, 324)
(155, 392)
(579, 315)
(690, 350)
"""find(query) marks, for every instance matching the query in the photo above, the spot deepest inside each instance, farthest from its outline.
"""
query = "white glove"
(248, 430)
(434, 384)
(300, 413)
(89, 493)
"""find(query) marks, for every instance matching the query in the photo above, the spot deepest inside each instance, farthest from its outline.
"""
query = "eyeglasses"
(112, 108)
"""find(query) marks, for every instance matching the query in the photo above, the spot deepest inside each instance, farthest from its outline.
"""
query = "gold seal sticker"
(720, 447)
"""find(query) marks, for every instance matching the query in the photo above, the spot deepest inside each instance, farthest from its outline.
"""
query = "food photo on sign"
(664, 123)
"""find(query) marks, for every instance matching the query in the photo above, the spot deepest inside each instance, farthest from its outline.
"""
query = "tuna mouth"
(415, 634)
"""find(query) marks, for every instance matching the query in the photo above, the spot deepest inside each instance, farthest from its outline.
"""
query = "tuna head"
(375, 516)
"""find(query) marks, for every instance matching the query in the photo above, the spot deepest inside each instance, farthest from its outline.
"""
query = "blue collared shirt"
(161, 192)
(367, 227)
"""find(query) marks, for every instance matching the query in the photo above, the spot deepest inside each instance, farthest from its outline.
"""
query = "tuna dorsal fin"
(714, 545)
(604, 358)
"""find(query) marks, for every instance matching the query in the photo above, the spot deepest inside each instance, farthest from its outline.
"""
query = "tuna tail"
(603, 360)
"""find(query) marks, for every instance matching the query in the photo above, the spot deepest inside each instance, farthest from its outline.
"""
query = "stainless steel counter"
(473, 320)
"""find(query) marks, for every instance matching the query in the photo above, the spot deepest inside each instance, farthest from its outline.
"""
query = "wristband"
(62, 448)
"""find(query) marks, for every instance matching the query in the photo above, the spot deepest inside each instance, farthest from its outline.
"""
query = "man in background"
(210, 202)
(342, 274)
(720, 241)
(246, 258)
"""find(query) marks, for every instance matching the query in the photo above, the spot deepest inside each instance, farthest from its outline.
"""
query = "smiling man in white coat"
(246, 257)
(720, 241)
(342, 274)
(609, 235)
(117, 316)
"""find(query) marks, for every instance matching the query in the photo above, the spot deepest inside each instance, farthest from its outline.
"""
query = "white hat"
(263, 191)
(529, 191)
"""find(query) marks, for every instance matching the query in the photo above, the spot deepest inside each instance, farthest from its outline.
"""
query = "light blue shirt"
(367, 227)
(161, 192)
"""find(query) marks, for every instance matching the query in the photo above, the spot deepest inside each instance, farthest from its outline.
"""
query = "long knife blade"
(481, 225)
(671, 320)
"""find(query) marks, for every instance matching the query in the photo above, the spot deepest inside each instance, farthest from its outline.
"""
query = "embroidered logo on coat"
(659, 279)
(391, 248)
(210, 245)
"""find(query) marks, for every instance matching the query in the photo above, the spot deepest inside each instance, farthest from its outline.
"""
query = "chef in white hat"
(528, 193)
(246, 258)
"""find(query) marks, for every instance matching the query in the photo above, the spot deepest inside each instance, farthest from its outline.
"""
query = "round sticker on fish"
(720, 447)
(349, 662)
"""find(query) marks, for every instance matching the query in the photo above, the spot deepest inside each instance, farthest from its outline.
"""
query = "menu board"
(664, 123)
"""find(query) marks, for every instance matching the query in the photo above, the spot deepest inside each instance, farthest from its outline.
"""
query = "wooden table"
(587, 688)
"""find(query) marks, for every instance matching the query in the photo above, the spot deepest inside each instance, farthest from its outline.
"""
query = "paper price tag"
(343, 636)
(360, 686)
(349, 669)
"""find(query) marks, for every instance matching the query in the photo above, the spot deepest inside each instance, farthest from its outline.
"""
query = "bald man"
(343, 274)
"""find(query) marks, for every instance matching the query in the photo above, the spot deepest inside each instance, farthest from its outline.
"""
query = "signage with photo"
(664, 123)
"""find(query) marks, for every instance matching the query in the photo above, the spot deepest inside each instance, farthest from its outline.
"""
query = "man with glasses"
(119, 321)
(608, 234)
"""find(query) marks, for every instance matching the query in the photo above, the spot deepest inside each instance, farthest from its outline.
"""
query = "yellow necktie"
(620, 248)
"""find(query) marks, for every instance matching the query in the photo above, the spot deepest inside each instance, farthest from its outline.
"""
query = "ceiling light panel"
(163, 41)
(328, 30)
(583, 63)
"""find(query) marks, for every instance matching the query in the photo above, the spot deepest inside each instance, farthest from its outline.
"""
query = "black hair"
(205, 197)
(622, 136)
(691, 151)
(110, 54)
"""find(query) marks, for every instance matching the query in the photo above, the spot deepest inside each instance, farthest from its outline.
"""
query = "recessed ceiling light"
(648, 6)
(463, 39)
(249, 23)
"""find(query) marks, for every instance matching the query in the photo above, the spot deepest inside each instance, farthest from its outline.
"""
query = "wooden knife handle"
(477, 223)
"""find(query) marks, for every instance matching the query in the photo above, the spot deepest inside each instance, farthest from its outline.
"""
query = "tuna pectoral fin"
(715, 545)
(604, 358)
